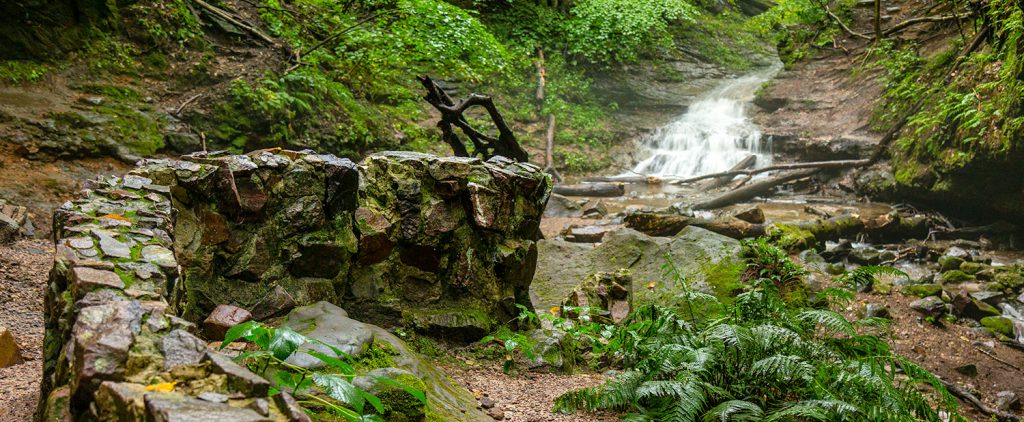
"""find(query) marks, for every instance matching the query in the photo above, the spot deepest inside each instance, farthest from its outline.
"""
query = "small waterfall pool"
(712, 135)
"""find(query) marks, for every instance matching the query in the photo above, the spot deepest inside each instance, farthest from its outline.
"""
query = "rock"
(327, 323)
(753, 215)
(174, 407)
(223, 318)
(181, 348)
(876, 310)
(989, 297)
(1007, 401)
(213, 397)
(261, 406)
(838, 251)
(549, 347)
(998, 325)
(121, 401)
(112, 247)
(958, 252)
(290, 408)
(955, 276)
(922, 290)
(605, 297)
(103, 335)
(14, 222)
(10, 353)
(865, 256)
(966, 306)
(487, 402)
(813, 260)
(710, 262)
(87, 279)
(585, 234)
(496, 413)
(972, 268)
(594, 209)
(159, 256)
(239, 378)
(929, 306)
(949, 263)
(970, 370)
(562, 206)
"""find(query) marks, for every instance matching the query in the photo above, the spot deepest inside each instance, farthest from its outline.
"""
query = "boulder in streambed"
(709, 262)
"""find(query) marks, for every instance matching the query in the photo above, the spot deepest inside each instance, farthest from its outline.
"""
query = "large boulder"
(708, 262)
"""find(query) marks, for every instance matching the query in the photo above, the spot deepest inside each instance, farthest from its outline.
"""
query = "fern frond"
(734, 410)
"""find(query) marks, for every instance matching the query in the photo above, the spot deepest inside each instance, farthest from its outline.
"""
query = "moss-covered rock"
(955, 276)
(791, 238)
(998, 325)
(922, 290)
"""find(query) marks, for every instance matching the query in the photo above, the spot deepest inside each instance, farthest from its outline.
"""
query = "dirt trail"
(23, 269)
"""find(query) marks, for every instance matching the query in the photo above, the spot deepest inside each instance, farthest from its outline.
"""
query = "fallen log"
(817, 165)
(650, 180)
(753, 190)
(966, 396)
(717, 182)
(605, 190)
(654, 224)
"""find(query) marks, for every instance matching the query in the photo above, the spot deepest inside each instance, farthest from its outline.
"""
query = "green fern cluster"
(763, 358)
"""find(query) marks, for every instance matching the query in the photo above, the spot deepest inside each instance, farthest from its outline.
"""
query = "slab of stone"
(159, 255)
(181, 348)
(112, 247)
(86, 279)
(173, 407)
(330, 324)
(223, 318)
(239, 379)
(290, 408)
(121, 401)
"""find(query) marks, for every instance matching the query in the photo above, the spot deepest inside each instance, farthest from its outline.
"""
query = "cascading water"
(712, 135)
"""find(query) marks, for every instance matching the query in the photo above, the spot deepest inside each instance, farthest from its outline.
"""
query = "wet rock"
(865, 256)
(929, 306)
(10, 353)
(876, 310)
(753, 215)
(989, 297)
(998, 325)
(585, 234)
(171, 407)
(223, 318)
(239, 378)
(1007, 401)
(838, 251)
(595, 209)
(561, 206)
(329, 324)
(605, 297)
(181, 348)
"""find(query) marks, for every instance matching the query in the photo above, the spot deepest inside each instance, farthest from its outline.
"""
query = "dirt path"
(23, 269)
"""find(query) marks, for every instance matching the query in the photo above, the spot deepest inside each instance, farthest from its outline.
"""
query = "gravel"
(24, 266)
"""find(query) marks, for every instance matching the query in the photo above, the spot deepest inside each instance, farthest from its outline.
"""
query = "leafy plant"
(763, 358)
(330, 389)
(512, 342)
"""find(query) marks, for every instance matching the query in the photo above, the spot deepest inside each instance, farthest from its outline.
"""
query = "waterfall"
(712, 135)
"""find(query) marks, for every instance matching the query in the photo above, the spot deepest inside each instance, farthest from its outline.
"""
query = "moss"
(922, 290)
(955, 276)
(138, 131)
(399, 405)
(724, 279)
(999, 325)
(22, 72)
(947, 263)
(972, 267)
(379, 354)
(790, 237)
(112, 92)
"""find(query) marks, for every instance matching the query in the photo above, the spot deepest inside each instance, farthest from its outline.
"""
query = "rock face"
(710, 262)
(603, 297)
(441, 244)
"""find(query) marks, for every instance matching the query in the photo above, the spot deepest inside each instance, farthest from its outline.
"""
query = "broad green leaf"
(243, 330)
(285, 342)
(334, 362)
(340, 389)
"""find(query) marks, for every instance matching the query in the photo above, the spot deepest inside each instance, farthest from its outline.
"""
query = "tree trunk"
(752, 190)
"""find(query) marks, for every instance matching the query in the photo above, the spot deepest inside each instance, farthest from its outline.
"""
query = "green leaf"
(243, 330)
(331, 361)
(419, 395)
(373, 400)
(285, 342)
(338, 388)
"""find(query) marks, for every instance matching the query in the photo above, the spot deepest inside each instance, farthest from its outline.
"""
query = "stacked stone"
(442, 244)
(113, 348)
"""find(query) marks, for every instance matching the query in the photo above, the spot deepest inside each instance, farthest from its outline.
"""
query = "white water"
(713, 135)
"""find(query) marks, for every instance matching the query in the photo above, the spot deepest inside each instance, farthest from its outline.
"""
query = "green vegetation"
(329, 390)
(763, 358)
(799, 27)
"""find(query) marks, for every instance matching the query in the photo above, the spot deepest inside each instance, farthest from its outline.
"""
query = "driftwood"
(606, 190)
(926, 19)
(221, 13)
(452, 116)
(745, 163)
(966, 396)
(753, 190)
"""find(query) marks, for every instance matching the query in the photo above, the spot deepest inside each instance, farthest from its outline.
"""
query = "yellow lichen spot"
(163, 387)
(652, 285)
(555, 310)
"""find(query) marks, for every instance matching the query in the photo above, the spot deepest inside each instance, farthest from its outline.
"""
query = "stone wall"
(445, 245)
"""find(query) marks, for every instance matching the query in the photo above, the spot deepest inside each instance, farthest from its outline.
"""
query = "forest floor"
(24, 266)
